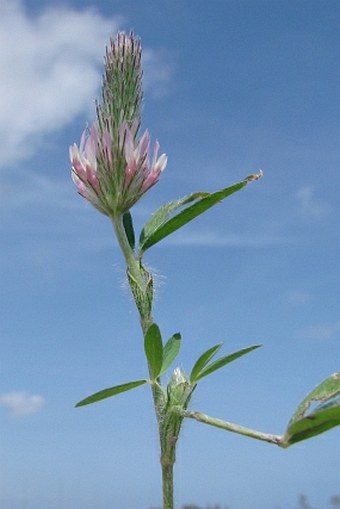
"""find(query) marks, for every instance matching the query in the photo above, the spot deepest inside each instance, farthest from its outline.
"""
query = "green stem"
(169, 430)
(138, 279)
(131, 261)
(228, 426)
(135, 272)
(168, 485)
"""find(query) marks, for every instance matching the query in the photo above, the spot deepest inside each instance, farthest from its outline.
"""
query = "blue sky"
(230, 87)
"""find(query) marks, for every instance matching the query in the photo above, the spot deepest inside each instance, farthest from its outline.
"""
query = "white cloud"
(309, 206)
(49, 66)
(20, 404)
(323, 331)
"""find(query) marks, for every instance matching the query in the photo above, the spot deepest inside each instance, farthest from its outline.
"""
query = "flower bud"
(179, 389)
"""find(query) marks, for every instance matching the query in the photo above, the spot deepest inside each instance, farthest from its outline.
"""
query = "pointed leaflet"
(325, 416)
(328, 389)
(160, 216)
(220, 363)
(162, 227)
(202, 361)
(112, 391)
(153, 347)
(170, 352)
(128, 227)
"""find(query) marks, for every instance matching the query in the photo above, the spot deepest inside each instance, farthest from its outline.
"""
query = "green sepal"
(159, 226)
(149, 291)
(129, 231)
(142, 291)
(170, 352)
(326, 415)
(153, 348)
(112, 391)
(223, 361)
(202, 361)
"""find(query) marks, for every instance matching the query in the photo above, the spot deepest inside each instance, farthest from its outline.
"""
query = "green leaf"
(112, 391)
(128, 227)
(306, 424)
(159, 227)
(159, 217)
(328, 389)
(153, 347)
(322, 419)
(170, 352)
(220, 363)
(202, 361)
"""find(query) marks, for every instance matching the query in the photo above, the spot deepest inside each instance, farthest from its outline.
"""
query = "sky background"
(231, 87)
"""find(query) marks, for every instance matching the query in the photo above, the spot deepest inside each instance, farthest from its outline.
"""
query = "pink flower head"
(112, 168)
(113, 178)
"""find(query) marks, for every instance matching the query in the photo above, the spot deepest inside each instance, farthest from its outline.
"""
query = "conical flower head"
(112, 167)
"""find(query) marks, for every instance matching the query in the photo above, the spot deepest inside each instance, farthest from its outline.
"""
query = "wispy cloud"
(297, 298)
(35, 190)
(20, 404)
(159, 69)
(323, 331)
(216, 239)
(309, 205)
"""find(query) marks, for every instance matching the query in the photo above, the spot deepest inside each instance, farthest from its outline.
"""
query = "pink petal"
(160, 164)
(107, 144)
(128, 145)
(144, 144)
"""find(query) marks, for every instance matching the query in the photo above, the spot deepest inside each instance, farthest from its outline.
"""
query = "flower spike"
(111, 168)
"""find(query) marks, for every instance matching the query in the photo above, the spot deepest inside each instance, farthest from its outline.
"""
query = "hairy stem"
(139, 280)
